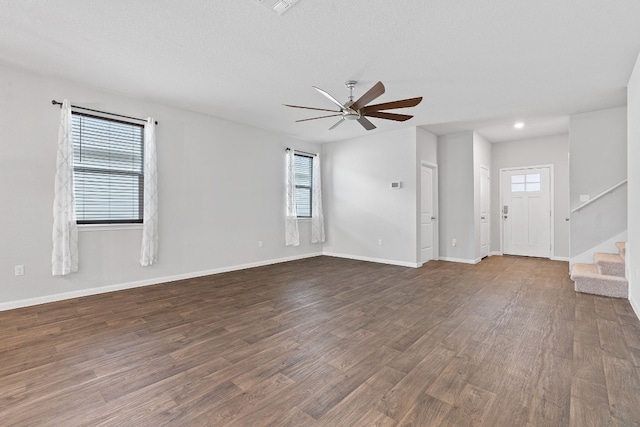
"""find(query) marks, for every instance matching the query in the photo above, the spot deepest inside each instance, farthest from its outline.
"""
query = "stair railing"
(604, 193)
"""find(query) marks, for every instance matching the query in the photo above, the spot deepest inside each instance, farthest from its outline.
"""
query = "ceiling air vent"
(278, 6)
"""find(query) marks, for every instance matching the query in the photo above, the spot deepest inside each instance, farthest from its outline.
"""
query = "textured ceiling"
(478, 64)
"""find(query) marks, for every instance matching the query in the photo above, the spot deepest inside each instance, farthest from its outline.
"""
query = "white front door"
(427, 215)
(526, 211)
(484, 212)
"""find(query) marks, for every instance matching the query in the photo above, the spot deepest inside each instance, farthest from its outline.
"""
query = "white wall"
(360, 205)
(633, 159)
(456, 191)
(427, 146)
(221, 189)
(598, 160)
(481, 158)
(548, 150)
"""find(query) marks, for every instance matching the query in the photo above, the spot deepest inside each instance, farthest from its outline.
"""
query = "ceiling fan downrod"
(348, 113)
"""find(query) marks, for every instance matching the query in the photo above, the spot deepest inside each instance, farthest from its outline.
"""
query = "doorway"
(526, 211)
(484, 212)
(428, 212)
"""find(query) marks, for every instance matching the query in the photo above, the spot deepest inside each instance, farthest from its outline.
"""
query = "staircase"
(604, 277)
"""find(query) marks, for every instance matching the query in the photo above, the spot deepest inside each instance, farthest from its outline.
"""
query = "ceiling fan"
(359, 110)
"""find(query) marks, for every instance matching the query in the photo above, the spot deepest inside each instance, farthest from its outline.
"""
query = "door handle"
(482, 217)
(504, 216)
(433, 217)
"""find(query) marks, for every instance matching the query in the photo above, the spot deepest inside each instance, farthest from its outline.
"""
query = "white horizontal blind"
(108, 170)
(303, 180)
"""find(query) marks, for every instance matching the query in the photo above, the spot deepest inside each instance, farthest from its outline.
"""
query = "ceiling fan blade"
(316, 118)
(388, 116)
(370, 95)
(310, 108)
(329, 97)
(403, 103)
(366, 123)
(337, 124)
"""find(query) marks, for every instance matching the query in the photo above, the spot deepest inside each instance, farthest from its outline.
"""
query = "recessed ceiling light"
(518, 125)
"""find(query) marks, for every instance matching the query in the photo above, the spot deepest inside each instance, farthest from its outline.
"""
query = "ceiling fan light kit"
(358, 110)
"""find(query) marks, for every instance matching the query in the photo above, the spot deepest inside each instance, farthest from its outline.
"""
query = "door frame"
(488, 211)
(436, 227)
(552, 250)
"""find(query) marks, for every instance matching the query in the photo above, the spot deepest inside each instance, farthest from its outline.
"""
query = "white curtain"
(64, 258)
(317, 217)
(291, 235)
(149, 251)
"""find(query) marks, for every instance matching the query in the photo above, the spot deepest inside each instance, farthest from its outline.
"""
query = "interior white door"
(526, 212)
(484, 212)
(427, 215)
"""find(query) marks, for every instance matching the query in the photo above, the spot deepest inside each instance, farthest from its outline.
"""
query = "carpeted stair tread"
(609, 264)
(588, 280)
(622, 248)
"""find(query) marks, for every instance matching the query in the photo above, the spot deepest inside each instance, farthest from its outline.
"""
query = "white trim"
(461, 260)
(635, 306)
(492, 253)
(560, 258)
(369, 259)
(148, 282)
(429, 164)
(108, 227)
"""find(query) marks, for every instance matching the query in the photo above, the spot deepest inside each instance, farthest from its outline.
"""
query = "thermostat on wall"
(396, 185)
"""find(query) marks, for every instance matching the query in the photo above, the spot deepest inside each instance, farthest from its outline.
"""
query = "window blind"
(303, 180)
(108, 170)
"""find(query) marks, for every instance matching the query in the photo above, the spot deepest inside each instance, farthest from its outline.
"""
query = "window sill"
(108, 227)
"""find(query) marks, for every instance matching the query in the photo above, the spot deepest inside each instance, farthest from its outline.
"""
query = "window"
(529, 182)
(107, 170)
(303, 181)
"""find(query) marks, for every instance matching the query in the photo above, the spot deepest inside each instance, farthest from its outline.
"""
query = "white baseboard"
(148, 282)
(560, 258)
(378, 260)
(461, 260)
(492, 253)
(634, 305)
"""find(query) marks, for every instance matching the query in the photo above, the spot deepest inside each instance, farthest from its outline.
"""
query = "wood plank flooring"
(329, 342)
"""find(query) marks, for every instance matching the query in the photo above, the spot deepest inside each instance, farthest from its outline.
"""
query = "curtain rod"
(54, 102)
(302, 152)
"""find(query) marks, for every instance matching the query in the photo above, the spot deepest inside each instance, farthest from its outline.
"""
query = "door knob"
(433, 217)
(504, 216)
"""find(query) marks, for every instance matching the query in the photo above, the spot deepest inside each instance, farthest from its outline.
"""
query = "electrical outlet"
(19, 270)
(379, 242)
(454, 242)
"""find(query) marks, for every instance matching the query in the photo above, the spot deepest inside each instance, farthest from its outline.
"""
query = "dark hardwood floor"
(329, 342)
